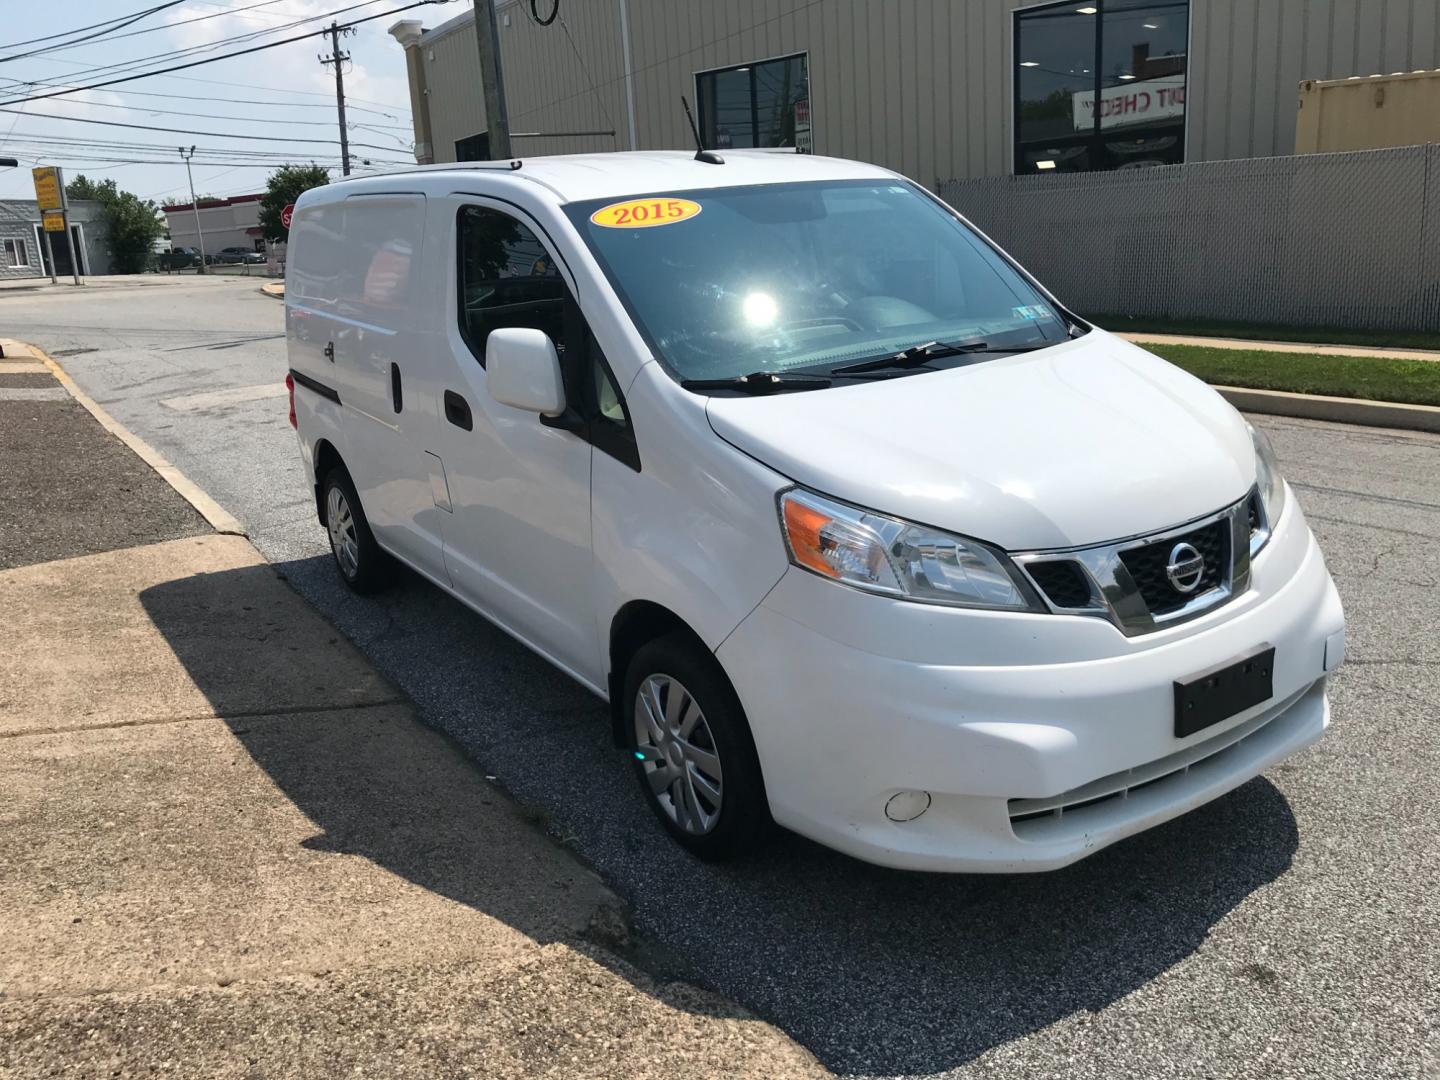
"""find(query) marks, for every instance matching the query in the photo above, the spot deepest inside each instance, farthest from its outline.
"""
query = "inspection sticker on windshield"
(644, 213)
(1033, 311)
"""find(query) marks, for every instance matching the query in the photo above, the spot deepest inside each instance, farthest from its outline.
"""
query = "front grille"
(1147, 566)
(1063, 582)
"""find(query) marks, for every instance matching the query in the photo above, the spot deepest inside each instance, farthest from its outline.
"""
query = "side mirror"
(523, 371)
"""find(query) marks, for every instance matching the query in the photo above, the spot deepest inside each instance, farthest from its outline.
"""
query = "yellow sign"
(47, 187)
(644, 213)
(54, 220)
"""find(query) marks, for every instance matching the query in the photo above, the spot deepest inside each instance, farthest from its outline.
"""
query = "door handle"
(397, 399)
(457, 411)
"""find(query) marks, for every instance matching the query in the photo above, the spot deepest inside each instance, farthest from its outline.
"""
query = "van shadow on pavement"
(378, 785)
(875, 971)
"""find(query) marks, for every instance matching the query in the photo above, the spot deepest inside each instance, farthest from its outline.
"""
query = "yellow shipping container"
(1368, 113)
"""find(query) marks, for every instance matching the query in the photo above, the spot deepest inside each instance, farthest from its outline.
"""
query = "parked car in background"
(234, 256)
(855, 526)
(178, 257)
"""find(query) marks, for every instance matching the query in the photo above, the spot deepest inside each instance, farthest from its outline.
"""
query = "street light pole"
(195, 206)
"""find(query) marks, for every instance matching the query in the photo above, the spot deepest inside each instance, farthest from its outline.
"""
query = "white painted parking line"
(22, 367)
(216, 399)
(33, 393)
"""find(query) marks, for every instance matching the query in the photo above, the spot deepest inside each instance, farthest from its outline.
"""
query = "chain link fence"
(1335, 240)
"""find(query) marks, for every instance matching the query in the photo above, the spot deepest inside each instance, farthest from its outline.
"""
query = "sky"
(275, 99)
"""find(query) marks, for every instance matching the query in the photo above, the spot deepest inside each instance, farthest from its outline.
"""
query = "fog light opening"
(907, 805)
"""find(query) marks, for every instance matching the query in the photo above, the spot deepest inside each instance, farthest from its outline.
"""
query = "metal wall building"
(932, 88)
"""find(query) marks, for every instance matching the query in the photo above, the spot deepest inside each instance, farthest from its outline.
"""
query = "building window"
(473, 147)
(761, 104)
(1100, 84)
(16, 253)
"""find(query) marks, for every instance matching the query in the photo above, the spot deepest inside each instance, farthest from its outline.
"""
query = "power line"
(167, 26)
(92, 26)
(217, 59)
(48, 143)
(135, 64)
(98, 33)
(190, 131)
(191, 97)
(212, 116)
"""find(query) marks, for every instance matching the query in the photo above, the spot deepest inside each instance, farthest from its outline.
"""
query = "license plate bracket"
(1224, 690)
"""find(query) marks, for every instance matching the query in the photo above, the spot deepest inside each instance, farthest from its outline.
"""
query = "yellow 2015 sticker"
(644, 213)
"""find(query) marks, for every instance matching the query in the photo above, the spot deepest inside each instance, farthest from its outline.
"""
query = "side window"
(507, 278)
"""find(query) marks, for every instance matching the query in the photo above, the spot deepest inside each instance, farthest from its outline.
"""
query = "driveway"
(1292, 927)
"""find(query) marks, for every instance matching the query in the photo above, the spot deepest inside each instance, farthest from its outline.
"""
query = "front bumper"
(1002, 718)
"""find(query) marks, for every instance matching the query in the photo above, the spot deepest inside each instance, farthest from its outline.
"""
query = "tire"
(714, 755)
(362, 565)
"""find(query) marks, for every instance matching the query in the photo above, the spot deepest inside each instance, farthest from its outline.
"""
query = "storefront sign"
(49, 188)
(54, 220)
(1132, 103)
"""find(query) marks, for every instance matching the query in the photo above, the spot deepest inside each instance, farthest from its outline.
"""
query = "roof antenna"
(701, 154)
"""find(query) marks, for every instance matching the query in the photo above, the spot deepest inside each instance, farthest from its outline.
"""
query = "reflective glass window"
(1100, 85)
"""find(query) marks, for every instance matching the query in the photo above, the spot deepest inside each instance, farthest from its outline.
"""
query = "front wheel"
(693, 752)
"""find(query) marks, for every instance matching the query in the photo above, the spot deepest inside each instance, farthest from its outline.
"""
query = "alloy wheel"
(677, 752)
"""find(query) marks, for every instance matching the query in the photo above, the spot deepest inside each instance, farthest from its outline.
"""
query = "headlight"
(1268, 479)
(885, 555)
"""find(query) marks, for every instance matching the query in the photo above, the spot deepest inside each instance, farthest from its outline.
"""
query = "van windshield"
(806, 276)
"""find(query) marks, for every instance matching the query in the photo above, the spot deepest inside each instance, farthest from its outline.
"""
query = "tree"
(285, 186)
(85, 189)
(132, 224)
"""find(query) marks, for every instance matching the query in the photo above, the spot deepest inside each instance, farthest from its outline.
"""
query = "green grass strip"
(1315, 335)
(1412, 382)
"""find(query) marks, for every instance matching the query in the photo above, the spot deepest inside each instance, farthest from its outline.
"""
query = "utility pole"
(492, 78)
(338, 58)
(195, 206)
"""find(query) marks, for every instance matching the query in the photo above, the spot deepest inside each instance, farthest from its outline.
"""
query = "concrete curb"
(1340, 410)
(274, 288)
(220, 519)
(1368, 352)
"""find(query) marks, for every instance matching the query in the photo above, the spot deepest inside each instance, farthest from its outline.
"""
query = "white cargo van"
(855, 527)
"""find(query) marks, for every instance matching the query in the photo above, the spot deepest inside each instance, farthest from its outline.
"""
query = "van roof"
(578, 177)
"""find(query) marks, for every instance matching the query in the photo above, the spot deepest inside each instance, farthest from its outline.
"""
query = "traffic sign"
(49, 190)
(286, 215)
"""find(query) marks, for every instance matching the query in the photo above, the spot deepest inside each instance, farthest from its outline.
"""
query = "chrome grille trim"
(1116, 596)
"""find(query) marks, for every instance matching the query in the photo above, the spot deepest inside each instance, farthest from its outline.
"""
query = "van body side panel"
(310, 293)
(696, 530)
(517, 542)
(361, 267)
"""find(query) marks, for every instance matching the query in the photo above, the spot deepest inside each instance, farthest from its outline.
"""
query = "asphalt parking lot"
(1291, 928)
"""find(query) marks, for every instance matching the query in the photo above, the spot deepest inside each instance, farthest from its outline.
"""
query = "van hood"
(1090, 441)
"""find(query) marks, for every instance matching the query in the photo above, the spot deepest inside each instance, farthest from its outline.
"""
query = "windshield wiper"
(920, 355)
(759, 382)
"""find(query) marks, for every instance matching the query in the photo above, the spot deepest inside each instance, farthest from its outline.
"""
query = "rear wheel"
(362, 565)
(693, 753)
